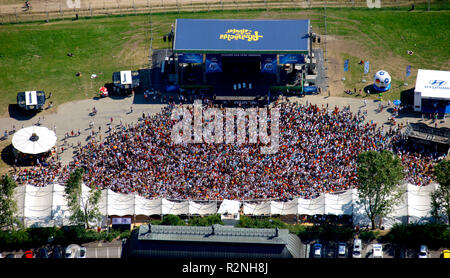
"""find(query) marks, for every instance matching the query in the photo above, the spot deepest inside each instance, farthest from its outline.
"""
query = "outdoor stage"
(235, 58)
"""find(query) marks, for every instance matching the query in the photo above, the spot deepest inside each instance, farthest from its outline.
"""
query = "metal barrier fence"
(60, 9)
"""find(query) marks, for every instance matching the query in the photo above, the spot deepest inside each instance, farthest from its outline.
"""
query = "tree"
(172, 220)
(440, 198)
(8, 205)
(83, 210)
(206, 220)
(379, 174)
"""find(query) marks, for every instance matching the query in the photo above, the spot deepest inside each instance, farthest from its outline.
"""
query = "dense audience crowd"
(317, 154)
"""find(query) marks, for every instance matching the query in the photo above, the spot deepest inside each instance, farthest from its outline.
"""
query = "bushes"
(368, 235)
(413, 235)
(172, 220)
(323, 232)
(248, 222)
(15, 239)
(36, 237)
(205, 221)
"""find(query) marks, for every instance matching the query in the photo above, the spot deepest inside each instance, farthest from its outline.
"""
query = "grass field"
(33, 56)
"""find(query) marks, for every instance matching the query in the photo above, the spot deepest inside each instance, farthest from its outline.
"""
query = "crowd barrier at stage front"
(46, 206)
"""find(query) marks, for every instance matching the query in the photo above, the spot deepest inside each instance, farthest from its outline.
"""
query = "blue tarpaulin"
(310, 89)
(171, 88)
(241, 36)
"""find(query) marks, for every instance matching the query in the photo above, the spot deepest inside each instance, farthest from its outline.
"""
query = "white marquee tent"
(46, 206)
(34, 140)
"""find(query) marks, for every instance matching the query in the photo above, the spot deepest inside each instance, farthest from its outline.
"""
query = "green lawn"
(33, 56)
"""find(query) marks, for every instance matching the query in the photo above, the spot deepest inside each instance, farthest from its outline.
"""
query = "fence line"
(89, 9)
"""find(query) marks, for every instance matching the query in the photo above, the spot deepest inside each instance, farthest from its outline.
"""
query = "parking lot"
(100, 250)
(330, 250)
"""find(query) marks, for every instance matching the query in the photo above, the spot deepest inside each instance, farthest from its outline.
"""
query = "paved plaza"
(76, 116)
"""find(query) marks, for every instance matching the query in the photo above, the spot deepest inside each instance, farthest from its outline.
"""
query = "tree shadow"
(7, 155)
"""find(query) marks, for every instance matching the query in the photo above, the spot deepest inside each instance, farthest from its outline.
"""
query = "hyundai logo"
(437, 83)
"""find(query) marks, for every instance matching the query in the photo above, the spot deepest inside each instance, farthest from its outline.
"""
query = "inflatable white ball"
(382, 81)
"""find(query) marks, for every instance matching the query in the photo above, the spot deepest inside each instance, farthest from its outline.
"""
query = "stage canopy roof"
(241, 36)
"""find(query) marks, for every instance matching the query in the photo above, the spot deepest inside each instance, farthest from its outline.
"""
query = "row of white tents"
(47, 206)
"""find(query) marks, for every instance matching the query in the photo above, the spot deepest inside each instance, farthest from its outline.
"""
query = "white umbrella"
(34, 140)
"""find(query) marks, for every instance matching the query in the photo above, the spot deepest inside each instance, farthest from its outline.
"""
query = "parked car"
(423, 252)
(75, 251)
(28, 254)
(357, 247)
(317, 250)
(10, 256)
(71, 251)
(57, 253)
(342, 249)
(42, 253)
(377, 250)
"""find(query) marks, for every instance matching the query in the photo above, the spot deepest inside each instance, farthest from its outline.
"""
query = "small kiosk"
(125, 81)
(31, 100)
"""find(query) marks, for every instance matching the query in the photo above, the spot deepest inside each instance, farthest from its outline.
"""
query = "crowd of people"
(317, 153)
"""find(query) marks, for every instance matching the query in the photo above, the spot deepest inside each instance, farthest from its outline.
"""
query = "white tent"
(46, 206)
(175, 207)
(419, 202)
(202, 208)
(229, 207)
(312, 206)
(148, 207)
(340, 203)
(257, 208)
(284, 208)
(120, 204)
(34, 140)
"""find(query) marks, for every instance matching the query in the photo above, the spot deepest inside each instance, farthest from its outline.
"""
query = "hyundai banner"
(269, 63)
(213, 63)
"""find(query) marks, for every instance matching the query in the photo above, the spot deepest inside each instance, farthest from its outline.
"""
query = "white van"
(75, 251)
(357, 247)
(377, 250)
